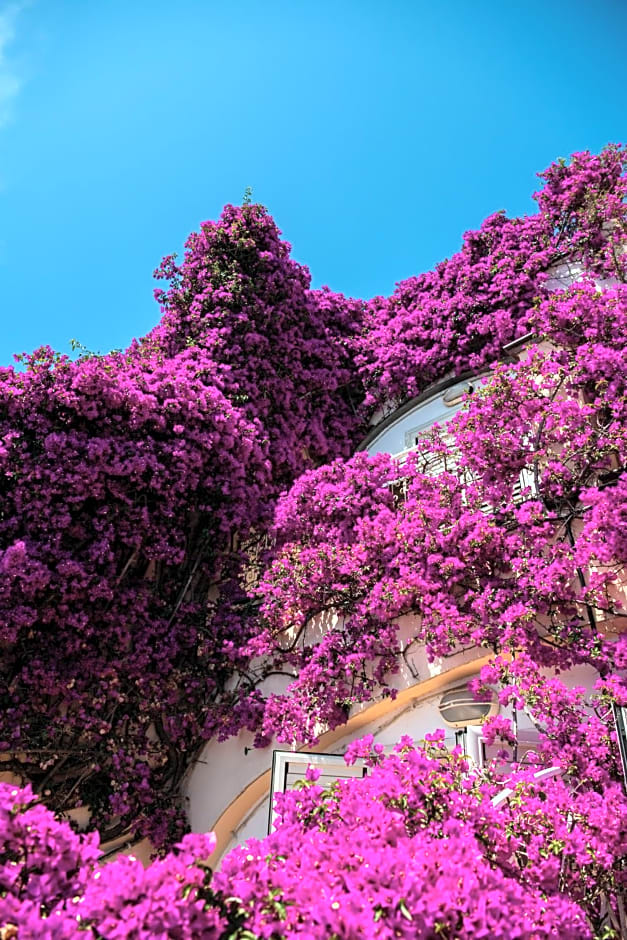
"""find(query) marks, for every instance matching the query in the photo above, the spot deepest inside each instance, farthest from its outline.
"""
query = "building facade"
(229, 790)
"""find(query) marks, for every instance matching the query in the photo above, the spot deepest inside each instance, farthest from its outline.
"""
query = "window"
(289, 767)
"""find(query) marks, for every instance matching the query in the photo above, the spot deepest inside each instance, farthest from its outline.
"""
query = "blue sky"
(375, 132)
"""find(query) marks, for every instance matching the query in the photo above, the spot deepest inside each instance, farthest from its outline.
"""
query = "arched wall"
(228, 788)
(414, 713)
(230, 781)
(232, 777)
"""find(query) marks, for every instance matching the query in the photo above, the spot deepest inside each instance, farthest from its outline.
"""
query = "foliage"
(467, 553)
(415, 849)
(460, 316)
(135, 489)
(52, 887)
(137, 492)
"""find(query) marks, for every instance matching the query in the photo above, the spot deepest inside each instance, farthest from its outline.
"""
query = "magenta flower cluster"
(135, 489)
(417, 849)
(459, 316)
(177, 517)
(516, 548)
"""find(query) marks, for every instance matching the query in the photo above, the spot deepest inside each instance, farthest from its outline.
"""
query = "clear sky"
(375, 132)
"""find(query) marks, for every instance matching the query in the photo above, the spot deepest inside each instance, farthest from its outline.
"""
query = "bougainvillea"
(136, 488)
(419, 848)
(141, 502)
(424, 847)
(52, 887)
(460, 315)
(515, 547)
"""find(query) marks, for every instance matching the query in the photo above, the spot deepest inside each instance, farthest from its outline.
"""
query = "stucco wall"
(228, 788)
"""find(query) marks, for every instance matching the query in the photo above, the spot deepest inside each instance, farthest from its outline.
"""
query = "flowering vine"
(138, 489)
(418, 848)
(460, 316)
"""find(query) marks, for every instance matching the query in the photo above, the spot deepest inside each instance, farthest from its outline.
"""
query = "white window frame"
(282, 762)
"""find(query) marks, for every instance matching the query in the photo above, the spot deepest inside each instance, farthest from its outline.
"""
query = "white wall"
(226, 769)
(398, 435)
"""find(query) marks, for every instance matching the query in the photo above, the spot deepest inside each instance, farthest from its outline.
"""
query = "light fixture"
(459, 708)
